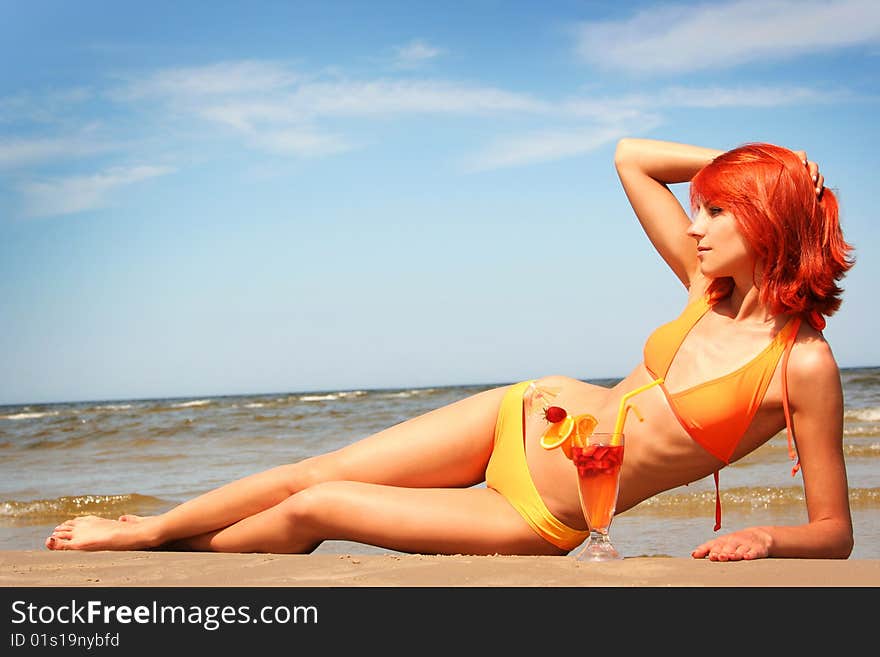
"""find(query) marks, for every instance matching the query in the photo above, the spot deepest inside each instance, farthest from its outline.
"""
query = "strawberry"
(555, 414)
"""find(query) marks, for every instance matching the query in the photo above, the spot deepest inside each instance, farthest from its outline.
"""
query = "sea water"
(143, 456)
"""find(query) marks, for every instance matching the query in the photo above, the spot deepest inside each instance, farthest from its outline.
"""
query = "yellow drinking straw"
(624, 407)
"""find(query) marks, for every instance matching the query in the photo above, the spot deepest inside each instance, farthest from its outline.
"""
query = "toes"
(55, 543)
(62, 533)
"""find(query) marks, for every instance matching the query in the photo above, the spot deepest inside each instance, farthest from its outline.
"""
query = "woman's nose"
(695, 230)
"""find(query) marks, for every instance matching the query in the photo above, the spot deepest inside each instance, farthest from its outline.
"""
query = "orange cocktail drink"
(597, 457)
(598, 467)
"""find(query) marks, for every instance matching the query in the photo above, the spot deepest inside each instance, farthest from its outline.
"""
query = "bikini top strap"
(717, 503)
(789, 428)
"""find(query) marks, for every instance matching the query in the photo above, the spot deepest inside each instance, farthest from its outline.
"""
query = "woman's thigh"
(428, 520)
(446, 447)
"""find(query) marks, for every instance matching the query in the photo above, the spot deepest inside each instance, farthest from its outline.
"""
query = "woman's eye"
(714, 212)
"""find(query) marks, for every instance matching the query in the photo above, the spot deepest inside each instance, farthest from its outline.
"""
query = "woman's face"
(721, 248)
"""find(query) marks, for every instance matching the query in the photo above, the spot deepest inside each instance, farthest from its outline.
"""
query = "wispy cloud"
(300, 142)
(272, 108)
(606, 119)
(679, 38)
(239, 93)
(414, 54)
(678, 96)
(392, 97)
(20, 152)
(51, 107)
(222, 78)
(72, 194)
(374, 99)
(551, 145)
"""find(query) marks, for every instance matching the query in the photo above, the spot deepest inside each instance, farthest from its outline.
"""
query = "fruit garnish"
(584, 424)
(557, 433)
(596, 459)
(570, 428)
(555, 414)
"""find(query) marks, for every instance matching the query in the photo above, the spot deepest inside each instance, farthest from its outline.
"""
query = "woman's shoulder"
(812, 362)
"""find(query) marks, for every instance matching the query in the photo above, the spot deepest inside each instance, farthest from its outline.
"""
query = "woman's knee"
(309, 472)
(315, 506)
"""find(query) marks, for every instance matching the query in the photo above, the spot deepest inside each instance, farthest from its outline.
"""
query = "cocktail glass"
(597, 458)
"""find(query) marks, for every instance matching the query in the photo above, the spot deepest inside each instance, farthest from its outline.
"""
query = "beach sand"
(43, 568)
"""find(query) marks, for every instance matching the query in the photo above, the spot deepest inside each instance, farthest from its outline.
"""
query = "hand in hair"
(813, 171)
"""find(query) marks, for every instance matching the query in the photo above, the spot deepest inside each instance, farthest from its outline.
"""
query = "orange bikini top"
(717, 413)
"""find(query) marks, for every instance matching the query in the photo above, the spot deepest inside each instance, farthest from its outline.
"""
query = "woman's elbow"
(845, 547)
(623, 151)
(841, 543)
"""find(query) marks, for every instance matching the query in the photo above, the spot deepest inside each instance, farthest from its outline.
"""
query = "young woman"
(760, 261)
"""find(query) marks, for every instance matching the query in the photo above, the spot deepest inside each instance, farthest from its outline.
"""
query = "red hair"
(794, 232)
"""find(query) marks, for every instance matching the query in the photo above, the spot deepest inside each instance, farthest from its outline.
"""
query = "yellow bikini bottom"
(508, 473)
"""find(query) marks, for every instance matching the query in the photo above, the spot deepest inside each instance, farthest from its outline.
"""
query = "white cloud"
(610, 118)
(301, 142)
(679, 38)
(269, 107)
(381, 97)
(415, 53)
(277, 111)
(222, 78)
(19, 152)
(760, 96)
(68, 195)
(392, 97)
(53, 106)
(630, 106)
(545, 146)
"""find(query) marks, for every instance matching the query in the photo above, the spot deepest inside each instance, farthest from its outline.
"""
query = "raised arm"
(646, 167)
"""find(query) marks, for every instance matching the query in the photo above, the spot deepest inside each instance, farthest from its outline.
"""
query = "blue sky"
(225, 197)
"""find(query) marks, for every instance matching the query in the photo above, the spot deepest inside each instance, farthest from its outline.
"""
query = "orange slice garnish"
(570, 429)
(557, 433)
(584, 425)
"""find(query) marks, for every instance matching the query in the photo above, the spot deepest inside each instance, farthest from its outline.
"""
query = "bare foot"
(130, 517)
(94, 533)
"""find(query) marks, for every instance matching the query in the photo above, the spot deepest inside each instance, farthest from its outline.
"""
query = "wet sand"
(43, 568)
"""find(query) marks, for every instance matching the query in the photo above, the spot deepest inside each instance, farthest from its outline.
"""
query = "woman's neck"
(744, 305)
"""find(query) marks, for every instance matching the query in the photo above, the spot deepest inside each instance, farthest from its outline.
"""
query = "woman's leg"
(427, 520)
(447, 447)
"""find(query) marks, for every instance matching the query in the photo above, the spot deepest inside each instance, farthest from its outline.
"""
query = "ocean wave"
(28, 415)
(872, 449)
(685, 504)
(113, 407)
(868, 414)
(47, 440)
(194, 403)
(62, 508)
(855, 432)
(870, 380)
(311, 398)
(404, 394)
